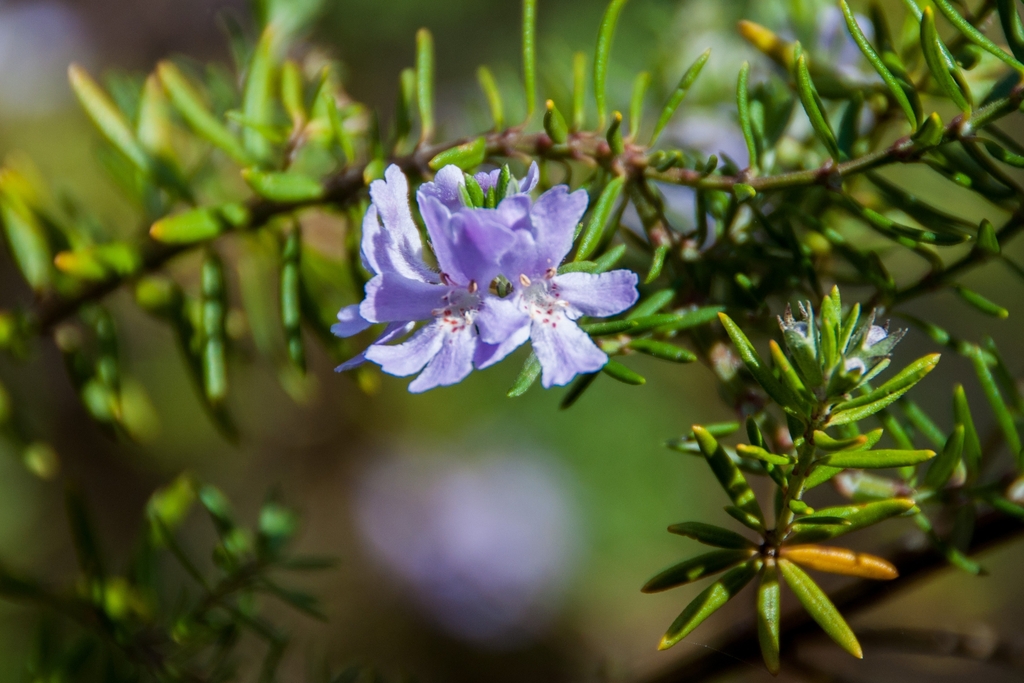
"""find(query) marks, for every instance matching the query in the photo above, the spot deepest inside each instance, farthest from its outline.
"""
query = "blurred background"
(479, 538)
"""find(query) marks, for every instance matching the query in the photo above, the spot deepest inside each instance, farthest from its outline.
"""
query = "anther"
(551, 272)
(525, 281)
(472, 287)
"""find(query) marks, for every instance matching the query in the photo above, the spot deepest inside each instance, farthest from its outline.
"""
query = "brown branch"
(741, 646)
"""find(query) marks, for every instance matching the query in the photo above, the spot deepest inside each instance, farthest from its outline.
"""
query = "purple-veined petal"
(349, 322)
(444, 188)
(452, 362)
(392, 332)
(498, 319)
(479, 244)
(438, 220)
(598, 295)
(555, 216)
(392, 298)
(489, 354)
(564, 351)
(410, 356)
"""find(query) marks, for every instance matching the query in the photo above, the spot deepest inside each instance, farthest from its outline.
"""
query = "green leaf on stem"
(778, 392)
(527, 376)
(863, 406)
(530, 55)
(858, 516)
(709, 601)
(942, 67)
(813, 107)
(466, 156)
(425, 83)
(493, 95)
(679, 94)
(743, 107)
(602, 54)
(593, 234)
(729, 476)
(821, 609)
(696, 568)
(879, 459)
(712, 535)
(768, 614)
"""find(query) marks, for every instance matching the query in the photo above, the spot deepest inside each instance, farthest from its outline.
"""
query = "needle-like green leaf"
(601, 56)
(679, 94)
(768, 614)
(813, 107)
(820, 607)
(696, 568)
(709, 601)
(712, 535)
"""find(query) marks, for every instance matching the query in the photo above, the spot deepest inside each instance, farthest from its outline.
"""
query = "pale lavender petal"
(452, 362)
(392, 298)
(409, 357)
(527, 184)
(598, 295)
(375, 242)
(564, 351)
(349, 322)
(489, 354)
(555, 216)
(513, 212)
(438, 220)
(444, 188)
(498, 319)
(398, 246)
(478, 244)
(392, 332)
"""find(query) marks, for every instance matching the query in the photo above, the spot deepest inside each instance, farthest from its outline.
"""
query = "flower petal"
(452, 363)
(555, 216)
(489, 354)
(392, 332)
(564, 351)
(393, 298)
(444, 188)
(497, 319)
(397, 247)
(349, 323)
(527, 184)
(599, 295)
(487, 180)
(410, 356)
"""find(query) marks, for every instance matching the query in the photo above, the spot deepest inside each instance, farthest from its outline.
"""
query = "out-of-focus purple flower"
(404, 290)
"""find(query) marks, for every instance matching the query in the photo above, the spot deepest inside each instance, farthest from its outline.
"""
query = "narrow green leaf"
(884, 225)
(405, 106)
(878, 65)
(214, 343)
(712, 535)
(610, 258)
(652, 304)
(679, 94)
(762, 454)
(657, 263)
(972, 444)
(576, 389)
(689, 319)
(988, 240)
(812, 106)
(614, 135)
(787, 372)
(942, 468)
(859, 442)
(1002, 412)
(293, 96)
(493, 95)
(189, 103)
(859, 516)
(593, 234)
(425, 83)
(1012, 27)
(188, 227)
(258, 97)
(954, 556)
(620, 372)
(877, 399)
(286, 187)
(290, 297)
(27, 242)
(527, 376)
(768, 614)
(778, 392)
(980, 303)
(108, 118)
(943, 69)
(602, 54)
(975, 36)
(466, 156)
(876, 459)
(636, 103)
(612, 327)
(662, 350)
(696, 568)
(579, 90)
(709, 601)
(728, 475)
(743, 107)
(530, 55)
(821, 609)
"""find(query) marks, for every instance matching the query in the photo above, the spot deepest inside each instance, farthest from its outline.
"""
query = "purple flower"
(544, 305)
(465, 325)
(404, 290)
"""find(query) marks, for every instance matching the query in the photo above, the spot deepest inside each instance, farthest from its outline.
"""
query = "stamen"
(472, 287)
(525, 281)
(551, 272)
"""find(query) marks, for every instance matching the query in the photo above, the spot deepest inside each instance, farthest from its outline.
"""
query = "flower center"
(543, 301)
(459, 309)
